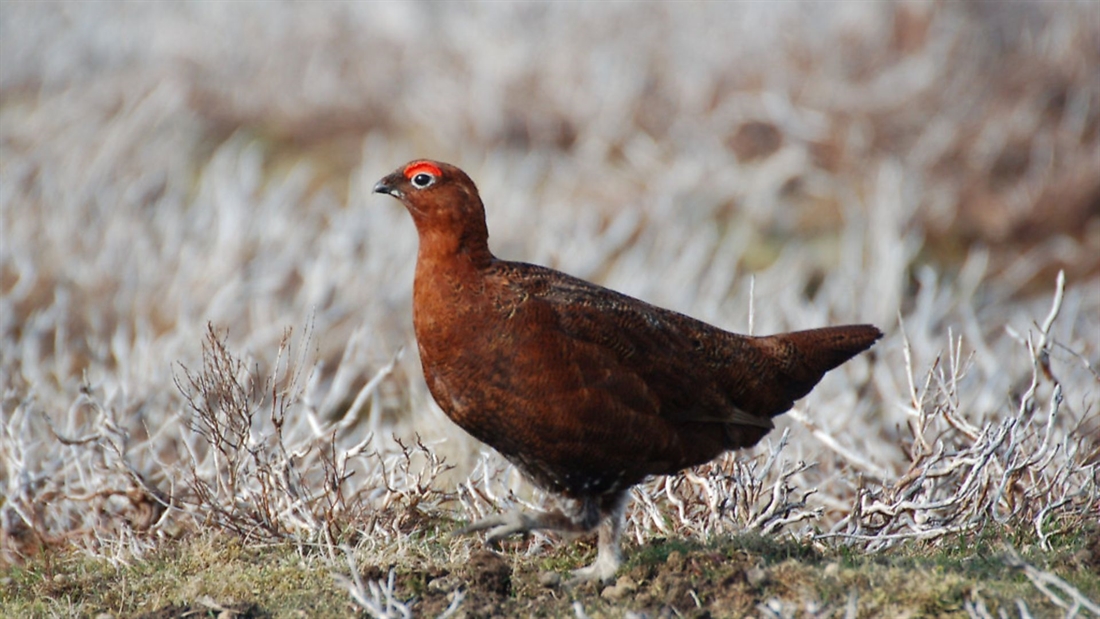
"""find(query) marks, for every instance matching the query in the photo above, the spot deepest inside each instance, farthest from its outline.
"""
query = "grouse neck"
(445, 250)
(447, 273)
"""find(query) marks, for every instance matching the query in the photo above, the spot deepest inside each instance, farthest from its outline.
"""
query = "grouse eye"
(422, 180)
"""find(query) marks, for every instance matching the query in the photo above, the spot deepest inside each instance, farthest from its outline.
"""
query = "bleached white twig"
(1058, 591)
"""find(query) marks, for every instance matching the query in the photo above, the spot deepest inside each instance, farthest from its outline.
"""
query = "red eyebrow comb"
(417, 167)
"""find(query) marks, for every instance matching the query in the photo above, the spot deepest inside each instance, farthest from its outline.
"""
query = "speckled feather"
(586, 389)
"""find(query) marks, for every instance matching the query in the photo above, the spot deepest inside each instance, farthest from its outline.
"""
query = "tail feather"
(803, 357)
(823, 349)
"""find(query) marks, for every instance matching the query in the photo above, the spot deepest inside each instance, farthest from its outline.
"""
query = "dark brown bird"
(586, 390)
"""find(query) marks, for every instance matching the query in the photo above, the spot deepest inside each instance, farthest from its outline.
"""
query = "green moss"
(219, 568)
(726, 577)
(656, 553)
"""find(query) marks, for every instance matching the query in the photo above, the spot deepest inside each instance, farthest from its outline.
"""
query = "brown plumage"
(586, 390)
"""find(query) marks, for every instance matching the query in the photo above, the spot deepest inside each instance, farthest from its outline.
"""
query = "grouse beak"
(383, 187)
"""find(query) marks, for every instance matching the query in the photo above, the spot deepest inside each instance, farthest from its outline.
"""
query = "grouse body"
(587, 390)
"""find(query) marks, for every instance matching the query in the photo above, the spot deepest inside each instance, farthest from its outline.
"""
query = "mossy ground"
(729, 577)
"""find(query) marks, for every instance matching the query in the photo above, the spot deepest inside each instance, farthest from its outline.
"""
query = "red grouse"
(586, 390)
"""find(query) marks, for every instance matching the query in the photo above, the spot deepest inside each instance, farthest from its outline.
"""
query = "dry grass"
(203, 308)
